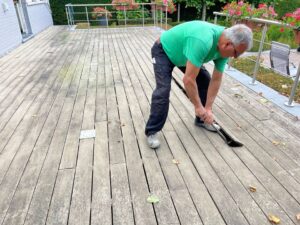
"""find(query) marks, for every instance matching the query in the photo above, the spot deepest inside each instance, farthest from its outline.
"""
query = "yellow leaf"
(263, 100)
(252, 188)
(274, 219)
(175, 161)
(275, 143)
(153, 199)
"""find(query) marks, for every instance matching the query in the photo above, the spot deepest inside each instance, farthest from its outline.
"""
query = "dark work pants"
(163, 68)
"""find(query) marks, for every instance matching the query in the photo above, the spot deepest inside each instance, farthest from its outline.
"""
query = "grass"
(268, 77)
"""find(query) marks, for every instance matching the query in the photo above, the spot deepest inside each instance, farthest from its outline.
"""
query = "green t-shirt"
(194, 41)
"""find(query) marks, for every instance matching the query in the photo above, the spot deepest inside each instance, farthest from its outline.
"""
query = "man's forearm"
(192, 92)
(213, 89)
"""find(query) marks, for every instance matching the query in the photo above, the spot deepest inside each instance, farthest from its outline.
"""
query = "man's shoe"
(209, 127)
(153, 141)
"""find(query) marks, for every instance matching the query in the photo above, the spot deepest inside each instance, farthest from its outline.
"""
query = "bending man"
(188, 46)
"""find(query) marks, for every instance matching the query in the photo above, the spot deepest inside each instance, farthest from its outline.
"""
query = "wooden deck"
(61, 83)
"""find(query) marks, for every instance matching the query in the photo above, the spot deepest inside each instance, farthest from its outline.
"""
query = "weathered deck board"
(102, 79)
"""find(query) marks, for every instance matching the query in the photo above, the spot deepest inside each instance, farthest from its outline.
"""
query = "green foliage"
(284, 6)
(134, 16)
(283, 35)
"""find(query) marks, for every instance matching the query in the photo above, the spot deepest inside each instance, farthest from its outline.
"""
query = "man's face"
(228, 49)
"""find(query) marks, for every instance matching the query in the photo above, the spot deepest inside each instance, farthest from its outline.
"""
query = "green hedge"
(58, 8)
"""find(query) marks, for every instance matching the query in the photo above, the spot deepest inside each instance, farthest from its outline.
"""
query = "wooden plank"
(60, 203)
(81, 195)
(101, 191)
(116, 150)
(121, 201)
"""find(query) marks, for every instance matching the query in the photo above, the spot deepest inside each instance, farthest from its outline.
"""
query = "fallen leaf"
(175, 161)
(153, 199)
(34, 115)
(123, 124)
(284, 86)
(252, 188)
(298, 216)
(263, 100)
(260, 94)
(275, 143)
(274, 219)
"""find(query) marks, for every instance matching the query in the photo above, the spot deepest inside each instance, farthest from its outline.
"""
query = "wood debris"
(175, 161)
(274, 219)
(252, 188)
(238, 95)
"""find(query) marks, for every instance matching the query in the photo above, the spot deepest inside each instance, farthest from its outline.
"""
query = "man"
(188, 46)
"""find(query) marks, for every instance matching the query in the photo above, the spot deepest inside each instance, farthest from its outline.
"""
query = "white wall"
(40, 17)
(10, 34)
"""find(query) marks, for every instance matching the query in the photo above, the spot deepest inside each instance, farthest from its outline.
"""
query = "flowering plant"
(162, 3)
(125, 5)
(240, 9)
(293, 18)
(100, 12)
(243, 9)
(264, 11)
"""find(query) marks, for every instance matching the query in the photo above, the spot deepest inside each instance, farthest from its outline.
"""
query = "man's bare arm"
(191, 88)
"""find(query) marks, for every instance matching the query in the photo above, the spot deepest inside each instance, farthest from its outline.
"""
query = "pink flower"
(240, 3)
(281, 29)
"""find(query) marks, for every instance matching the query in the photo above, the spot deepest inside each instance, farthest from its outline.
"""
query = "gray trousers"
(163, 68)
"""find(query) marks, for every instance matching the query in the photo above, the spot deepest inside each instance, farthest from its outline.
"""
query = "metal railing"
(261, 55)
(112, 15)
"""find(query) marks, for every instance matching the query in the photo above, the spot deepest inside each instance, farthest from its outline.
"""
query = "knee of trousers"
(162, 93)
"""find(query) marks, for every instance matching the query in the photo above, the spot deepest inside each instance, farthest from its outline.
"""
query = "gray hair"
(240, 34)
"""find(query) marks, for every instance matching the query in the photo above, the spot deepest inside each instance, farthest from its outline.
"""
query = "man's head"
(235, 40)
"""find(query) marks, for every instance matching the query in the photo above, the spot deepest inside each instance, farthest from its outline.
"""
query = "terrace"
(73, 149)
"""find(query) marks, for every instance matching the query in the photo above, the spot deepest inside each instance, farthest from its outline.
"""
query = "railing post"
(154, 19)
(216, 19)
(253, 82)
(106, 17)
(290, 103)
(67, 13)
(143, 16)
(125, 17)
(166, 17)
(161, 18)
(87, 16)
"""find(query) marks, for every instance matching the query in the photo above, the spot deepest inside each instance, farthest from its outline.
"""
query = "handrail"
(262, 41)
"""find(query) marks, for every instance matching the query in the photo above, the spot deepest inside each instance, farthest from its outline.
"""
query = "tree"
(202, 6)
